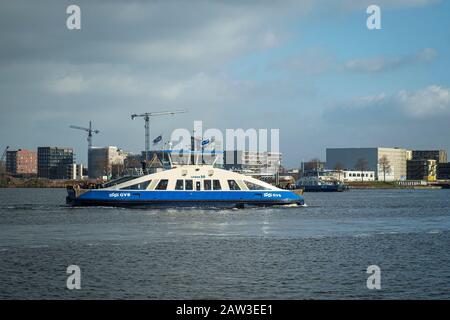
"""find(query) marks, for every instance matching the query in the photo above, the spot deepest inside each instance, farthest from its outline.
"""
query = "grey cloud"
(426, 105)
(139, 56)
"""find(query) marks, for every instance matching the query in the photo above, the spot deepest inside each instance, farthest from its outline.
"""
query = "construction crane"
(90, 132)
(2, 165)
(4, 154)
(146, 117)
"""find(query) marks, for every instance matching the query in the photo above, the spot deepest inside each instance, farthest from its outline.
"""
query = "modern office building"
(421, 170)
(105, 162)
(313, 165)
(55, 162)
(439, 155)
(443, 171)
(21, 162)
(257, 163)
(368, 159)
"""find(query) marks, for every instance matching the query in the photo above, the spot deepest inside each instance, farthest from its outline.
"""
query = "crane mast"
(4, 154)
(1, 160)
(146, 117)
(90, 132)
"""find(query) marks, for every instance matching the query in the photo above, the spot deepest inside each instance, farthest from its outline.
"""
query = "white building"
(252, 162)
(348, 158)
(75, 171)
(102, 160)
(352, 176)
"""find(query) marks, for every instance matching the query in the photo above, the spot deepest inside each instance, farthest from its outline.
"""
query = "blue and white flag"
(157, 139)
(207, 141)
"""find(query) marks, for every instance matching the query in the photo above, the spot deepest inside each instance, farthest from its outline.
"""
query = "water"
(320, 251)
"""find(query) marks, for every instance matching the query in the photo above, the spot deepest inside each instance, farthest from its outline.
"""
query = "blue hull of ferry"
(324, 188)
(229, 199)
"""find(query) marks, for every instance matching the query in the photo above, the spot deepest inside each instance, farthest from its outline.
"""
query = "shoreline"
(390, 185)
(14, 183)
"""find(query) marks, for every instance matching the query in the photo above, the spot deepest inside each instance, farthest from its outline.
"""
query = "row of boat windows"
(188, 184)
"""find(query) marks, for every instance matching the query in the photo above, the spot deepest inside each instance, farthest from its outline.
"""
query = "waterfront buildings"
(75, 171)
(341, 175)
(422, 170)
(21, 162)
(368, 159)
(54, 162)
(443, 171)
(352, 175)
(105, 162)
(313, 165)
(440, 156)
(252, 162)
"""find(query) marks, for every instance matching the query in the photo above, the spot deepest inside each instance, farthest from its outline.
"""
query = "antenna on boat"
(170, 153)
(215, 160)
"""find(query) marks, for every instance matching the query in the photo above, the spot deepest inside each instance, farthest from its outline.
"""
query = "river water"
(320, 251)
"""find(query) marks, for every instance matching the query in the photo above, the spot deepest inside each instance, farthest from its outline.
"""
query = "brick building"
(21, 162)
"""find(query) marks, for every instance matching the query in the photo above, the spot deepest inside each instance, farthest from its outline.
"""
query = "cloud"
(316, 61)
(390, 4)
(68, 85)
(138, 56)
(379, 64)
(431, 102)
(312, 61)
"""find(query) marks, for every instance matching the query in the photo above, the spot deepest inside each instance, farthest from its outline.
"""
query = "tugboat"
(315, 184)
(191, 185)
(320, 181)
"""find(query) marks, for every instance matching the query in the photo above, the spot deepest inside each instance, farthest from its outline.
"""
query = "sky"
(311, 69)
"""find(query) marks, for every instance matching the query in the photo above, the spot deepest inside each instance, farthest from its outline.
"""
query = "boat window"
(254, 186)
(118, 181)
(179, 185)
(207, 185)
(216, 185)
(162, 185)
(138, 186)
(233, 185)
(188, 185)
(197, 186)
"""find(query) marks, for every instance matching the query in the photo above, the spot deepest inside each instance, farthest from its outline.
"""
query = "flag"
(205, 142)
(208, 141)
(157, 139)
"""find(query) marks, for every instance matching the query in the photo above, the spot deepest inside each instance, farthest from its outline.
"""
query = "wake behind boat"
(185, 186)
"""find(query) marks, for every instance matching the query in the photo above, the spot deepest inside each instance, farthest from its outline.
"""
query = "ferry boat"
(191, 185)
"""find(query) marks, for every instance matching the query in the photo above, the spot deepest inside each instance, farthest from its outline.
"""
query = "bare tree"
(385, 166)
(339, 167)
(361, 165)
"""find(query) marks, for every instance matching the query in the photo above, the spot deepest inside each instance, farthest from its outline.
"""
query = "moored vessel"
(315, 184)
